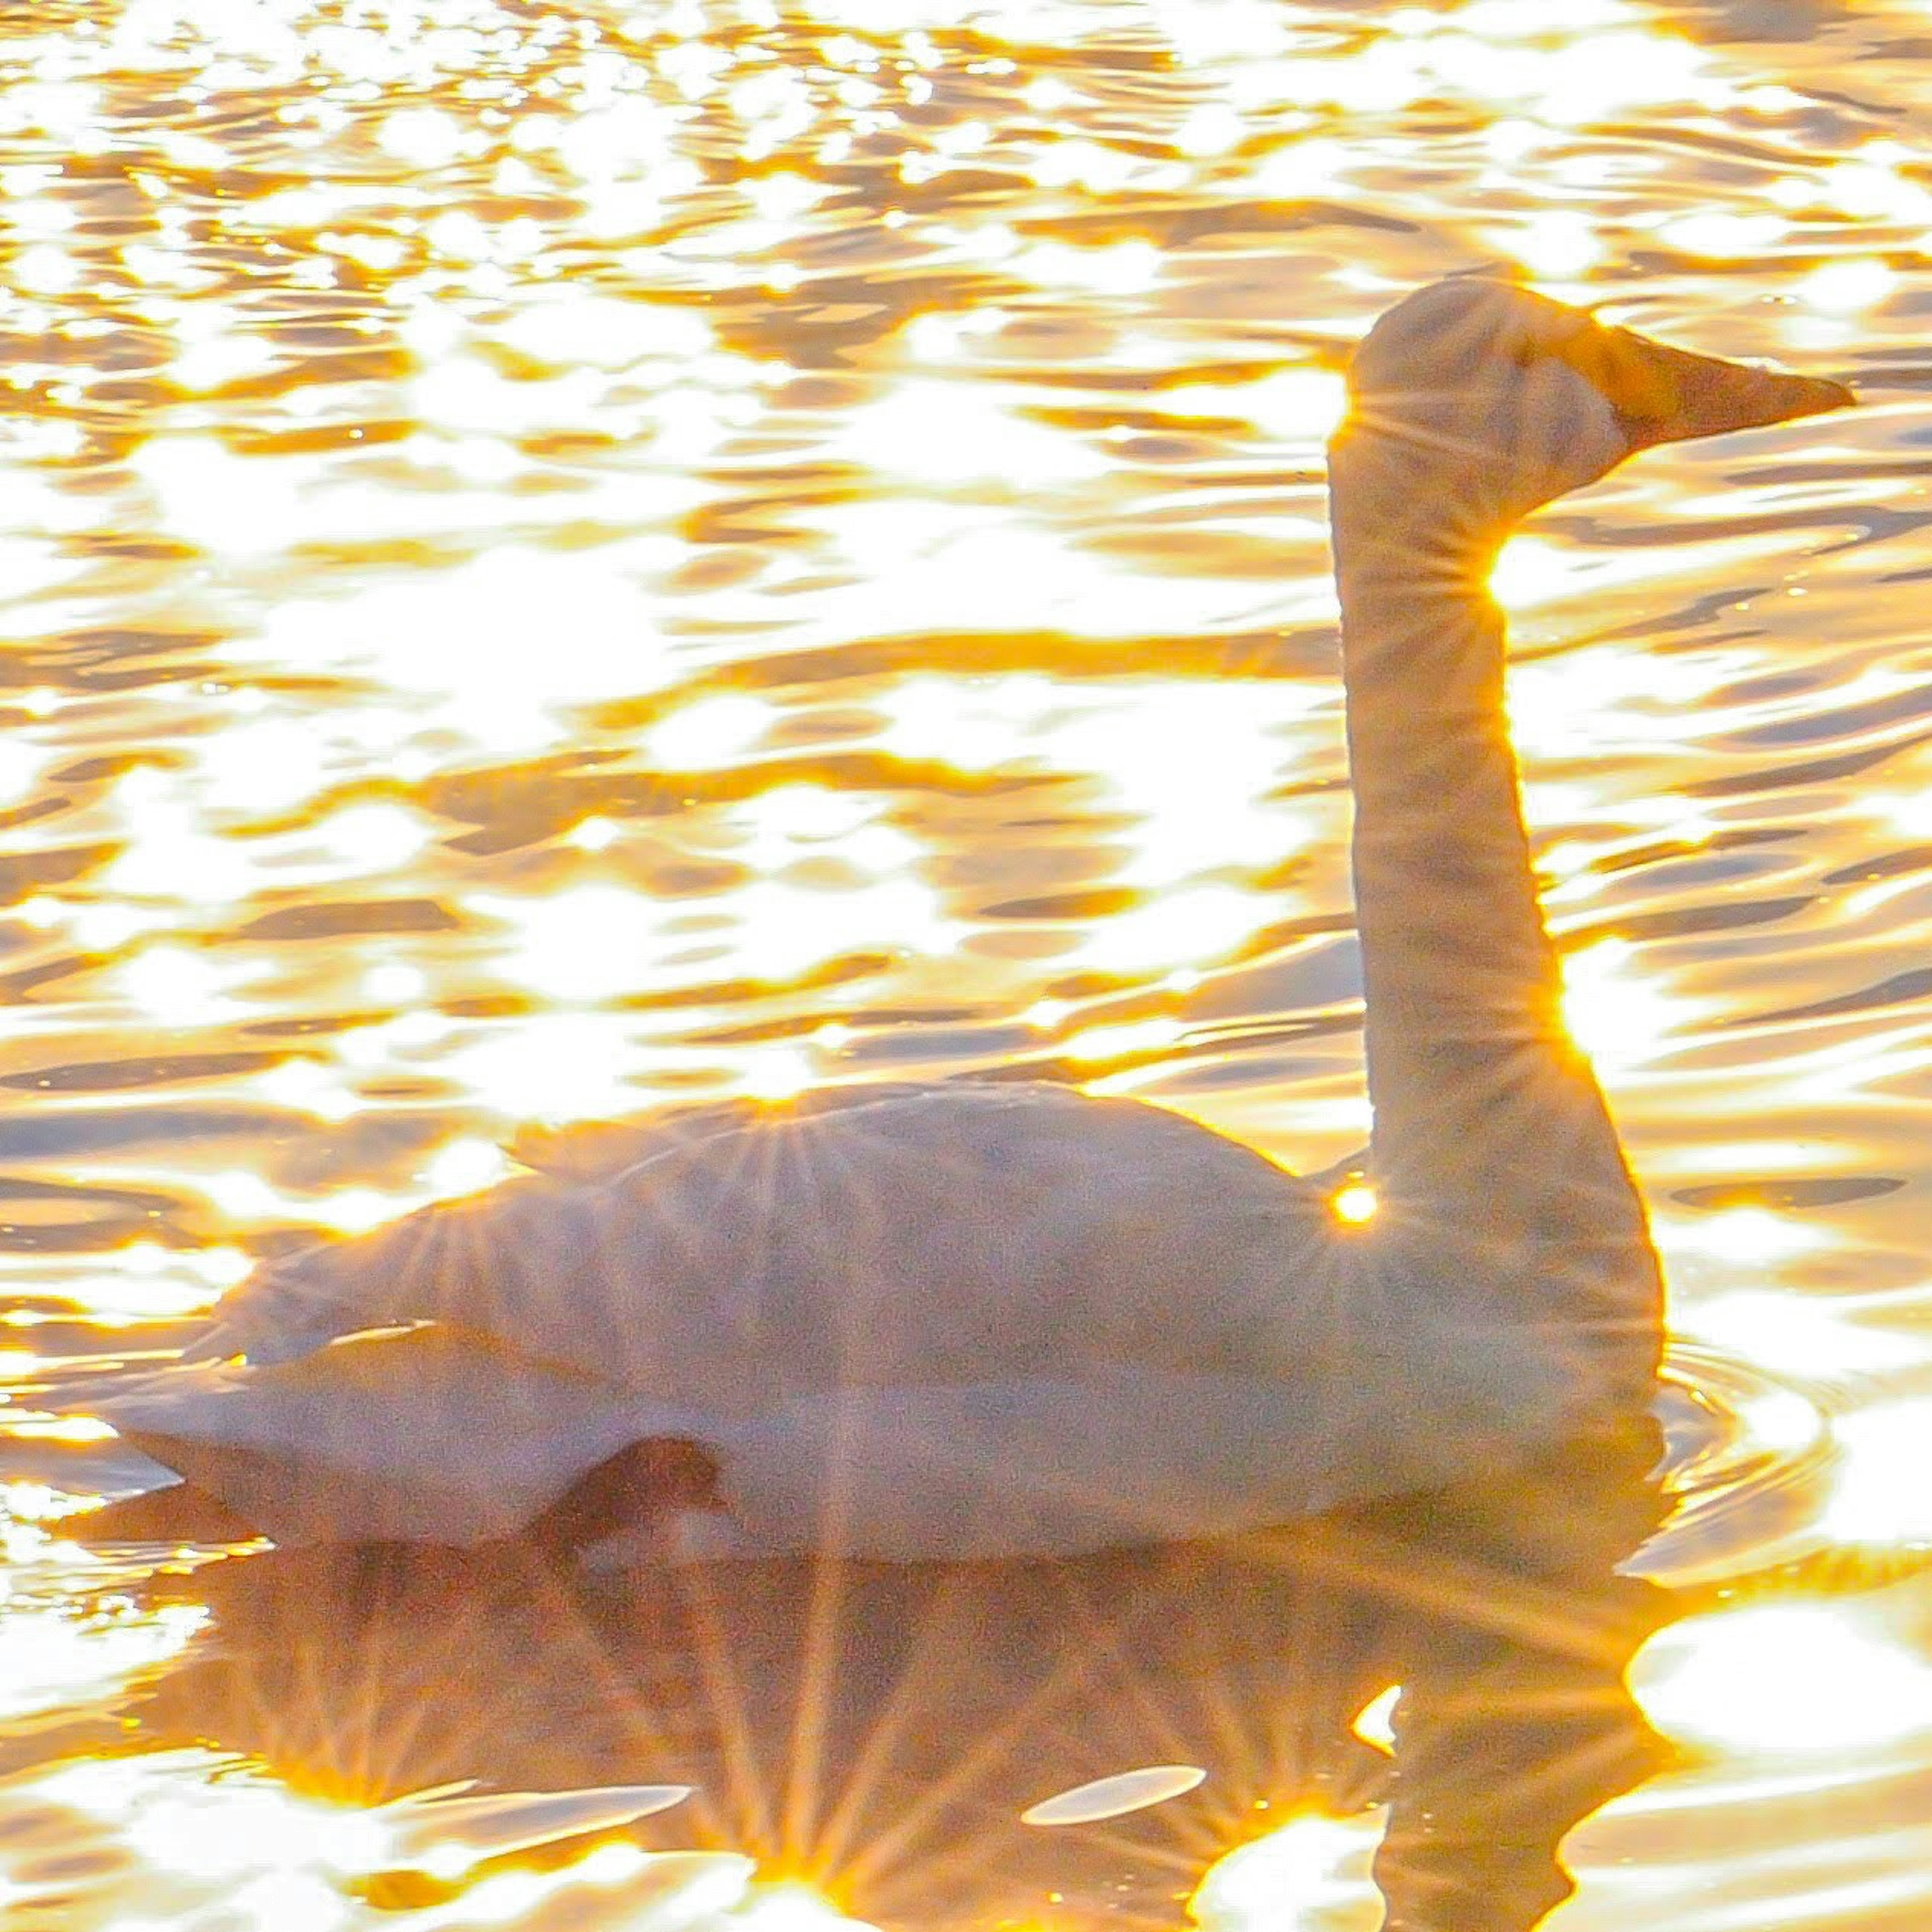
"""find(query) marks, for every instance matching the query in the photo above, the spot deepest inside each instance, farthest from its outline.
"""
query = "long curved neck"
(1457, 963)
(1493, 1150)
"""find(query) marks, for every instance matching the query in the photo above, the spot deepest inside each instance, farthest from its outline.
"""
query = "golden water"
(561, 557)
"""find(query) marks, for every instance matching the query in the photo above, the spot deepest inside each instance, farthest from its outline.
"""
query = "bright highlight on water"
(561, 566)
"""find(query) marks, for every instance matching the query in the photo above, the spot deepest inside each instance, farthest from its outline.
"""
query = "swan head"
(1479, 397)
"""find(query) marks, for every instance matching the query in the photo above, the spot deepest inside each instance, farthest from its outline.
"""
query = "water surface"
(557, 559)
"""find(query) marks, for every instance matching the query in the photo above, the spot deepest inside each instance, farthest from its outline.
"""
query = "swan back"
(953, 1232)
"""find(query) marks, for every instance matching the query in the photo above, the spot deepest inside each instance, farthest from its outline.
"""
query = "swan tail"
(176, 1512)
(425, 1434)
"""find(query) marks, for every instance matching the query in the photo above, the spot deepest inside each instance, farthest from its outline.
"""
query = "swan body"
(976, 1319)
(957, 1320)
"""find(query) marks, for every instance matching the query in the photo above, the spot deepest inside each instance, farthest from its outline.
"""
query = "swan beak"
(1662, 394)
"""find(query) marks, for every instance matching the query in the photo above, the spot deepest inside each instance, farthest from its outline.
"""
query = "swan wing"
(1043, 1466)
(951, 1320)
(939, 1234)
(421, 1434)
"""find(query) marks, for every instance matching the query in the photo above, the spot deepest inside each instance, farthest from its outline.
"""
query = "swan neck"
(1455, 953)
(1493, 1151)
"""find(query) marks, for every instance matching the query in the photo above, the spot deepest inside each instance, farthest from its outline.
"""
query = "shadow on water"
(879, 1729)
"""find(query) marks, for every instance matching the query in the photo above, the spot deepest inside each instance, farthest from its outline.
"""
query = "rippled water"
(557, 558)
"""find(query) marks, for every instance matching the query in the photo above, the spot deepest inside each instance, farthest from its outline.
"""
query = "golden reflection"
(588, 943)
(1565, 70)
(1797, 1679)
(1752, 1235)
(394, 983)
(263, 764)
(790, 1907)
(712, 731)
(1747, 1155)
(46, 269)
(1879, 1497)
(1782, 1421)
(1875, 180)
(1374, 1723)
(1909, 811)
(30, 1503)
(1846, 288)
(1115, 1796)
(464, 1166)
(178, 987)
(1312, 166)
(424, 137)
(1781, 1331)
(1124, 269)
(431, 386)
(563, 1066)
(1300, 405)
(595, 834)
(1196, 924)
(1532, 570)
(1724, 236)
(221, 1837)
(1619, 1018)
(54, 1657)
(245, 1197)
(1558, 243)
(1311, 1875)
(776, 1073)
(372, 837)
(957, 432)
(144, 1281)
(56, 1428)
(790, 822)
(1120, 1041)
(457, 649)
(591, 943)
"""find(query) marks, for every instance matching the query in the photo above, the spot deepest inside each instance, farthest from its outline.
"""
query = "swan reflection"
(1059, 1742)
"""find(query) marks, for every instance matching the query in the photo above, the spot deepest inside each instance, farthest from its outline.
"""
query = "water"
(561, 558)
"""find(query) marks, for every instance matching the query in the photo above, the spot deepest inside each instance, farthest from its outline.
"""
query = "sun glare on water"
(564, 560)
(1784, 1679)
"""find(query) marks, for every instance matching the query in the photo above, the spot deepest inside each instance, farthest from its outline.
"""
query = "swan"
(986, 1319)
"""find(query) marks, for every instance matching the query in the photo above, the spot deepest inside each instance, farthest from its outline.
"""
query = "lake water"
(562, 558)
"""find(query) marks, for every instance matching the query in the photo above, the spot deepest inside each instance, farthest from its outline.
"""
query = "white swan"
(989, 1319)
